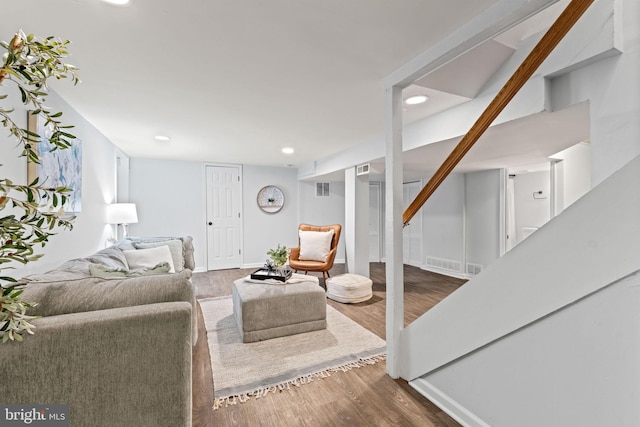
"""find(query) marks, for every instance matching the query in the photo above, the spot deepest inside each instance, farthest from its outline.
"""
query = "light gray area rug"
(242, 371)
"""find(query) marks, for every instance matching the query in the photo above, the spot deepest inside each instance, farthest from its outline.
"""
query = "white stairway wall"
(576, 367)
(591, 244)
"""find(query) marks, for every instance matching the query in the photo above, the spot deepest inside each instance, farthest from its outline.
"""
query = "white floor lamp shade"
(122, 213)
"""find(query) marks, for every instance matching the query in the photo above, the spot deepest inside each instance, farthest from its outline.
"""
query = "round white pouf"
(349, 288)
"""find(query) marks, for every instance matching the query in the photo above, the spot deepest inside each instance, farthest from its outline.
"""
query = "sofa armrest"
(122, 366)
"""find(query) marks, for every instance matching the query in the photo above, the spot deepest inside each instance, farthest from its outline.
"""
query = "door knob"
(210, 223)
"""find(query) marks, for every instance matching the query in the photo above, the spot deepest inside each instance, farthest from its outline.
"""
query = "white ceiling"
(236, 81)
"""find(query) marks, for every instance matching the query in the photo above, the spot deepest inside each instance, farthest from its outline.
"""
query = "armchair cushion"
(315, 245)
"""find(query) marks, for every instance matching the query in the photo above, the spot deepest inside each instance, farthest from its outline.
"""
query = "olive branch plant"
(31, 213)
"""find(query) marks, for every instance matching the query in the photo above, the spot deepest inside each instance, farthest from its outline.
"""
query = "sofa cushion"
(111, 257)
(149, 258)
(175, 247)
(315, 245)
(95, 293)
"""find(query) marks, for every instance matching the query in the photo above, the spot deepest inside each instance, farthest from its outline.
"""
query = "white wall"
(324, 210)
(263, 231)
(573, 179)
(482, 217)
(443, 222)
(90, 231)
(531, 211)
(568, 369)
(169, 197)
(612, 88)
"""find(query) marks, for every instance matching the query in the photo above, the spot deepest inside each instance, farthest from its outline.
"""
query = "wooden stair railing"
(540, 52)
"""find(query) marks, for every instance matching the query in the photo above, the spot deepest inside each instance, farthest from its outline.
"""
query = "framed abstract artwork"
(57, 167)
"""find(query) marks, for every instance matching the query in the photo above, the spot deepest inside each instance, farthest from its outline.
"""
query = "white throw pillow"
(149, 258)
(175, 246)
(315, 245)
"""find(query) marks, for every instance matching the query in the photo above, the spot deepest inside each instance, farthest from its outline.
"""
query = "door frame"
(204, 209)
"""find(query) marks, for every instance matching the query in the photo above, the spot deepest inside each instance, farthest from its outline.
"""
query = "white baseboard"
(200, 270)
(253, 265)
(443, 401)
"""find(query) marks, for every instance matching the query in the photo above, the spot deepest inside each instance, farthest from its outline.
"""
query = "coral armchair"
(300, 258)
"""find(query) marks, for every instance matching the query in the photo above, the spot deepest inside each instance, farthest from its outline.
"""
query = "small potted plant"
(278, 257)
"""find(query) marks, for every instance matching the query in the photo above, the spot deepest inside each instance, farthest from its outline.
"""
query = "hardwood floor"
(360, 397)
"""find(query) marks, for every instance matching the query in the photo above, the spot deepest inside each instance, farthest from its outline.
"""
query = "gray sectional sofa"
(112, 343)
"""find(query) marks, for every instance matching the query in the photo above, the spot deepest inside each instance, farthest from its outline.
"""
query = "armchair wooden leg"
(324, 280)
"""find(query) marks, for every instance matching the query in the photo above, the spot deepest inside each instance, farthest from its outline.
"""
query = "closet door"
(223, 217)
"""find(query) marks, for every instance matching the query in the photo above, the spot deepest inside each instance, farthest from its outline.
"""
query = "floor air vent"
(473, 269)
(444, 264)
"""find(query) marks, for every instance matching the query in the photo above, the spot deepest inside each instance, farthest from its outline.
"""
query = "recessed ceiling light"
(417, 99)
(287, 150)
(162, 138)
(118, 2)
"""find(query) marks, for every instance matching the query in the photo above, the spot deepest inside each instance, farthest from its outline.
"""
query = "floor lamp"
(123, 214)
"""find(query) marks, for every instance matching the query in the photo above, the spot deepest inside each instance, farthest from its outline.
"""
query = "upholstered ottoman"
(263, 311)
(349, 288)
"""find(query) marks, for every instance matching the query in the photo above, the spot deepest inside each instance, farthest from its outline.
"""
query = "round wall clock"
(270, 199)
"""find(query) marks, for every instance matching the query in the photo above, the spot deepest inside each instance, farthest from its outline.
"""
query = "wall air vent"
(323, 189)
(363, 169)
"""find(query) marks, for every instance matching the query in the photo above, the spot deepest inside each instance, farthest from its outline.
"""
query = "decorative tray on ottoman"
(265, 274)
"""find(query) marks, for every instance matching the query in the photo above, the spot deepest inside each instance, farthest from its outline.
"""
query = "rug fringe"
(297, 382)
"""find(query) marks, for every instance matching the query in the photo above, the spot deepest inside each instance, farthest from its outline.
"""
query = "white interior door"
(375, 210)
(412, 233)
(223, 217)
